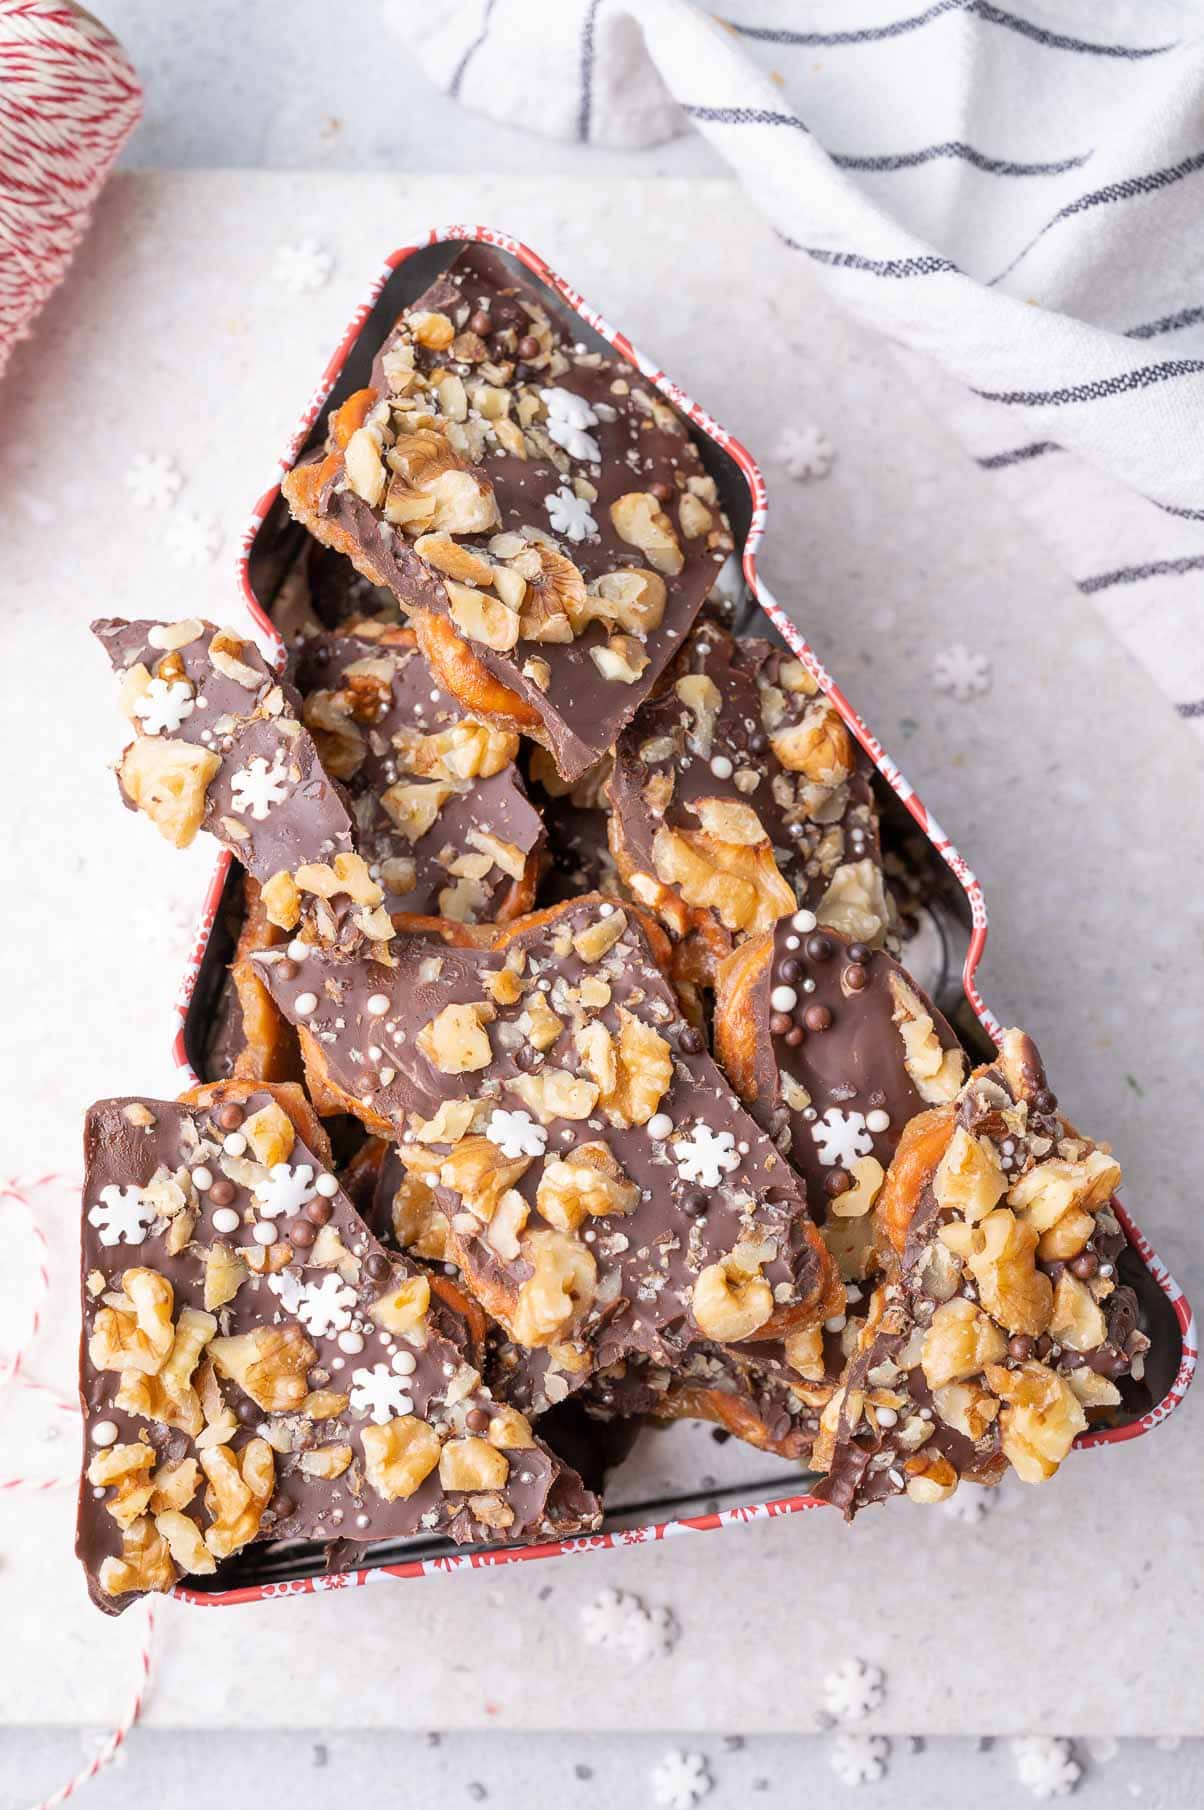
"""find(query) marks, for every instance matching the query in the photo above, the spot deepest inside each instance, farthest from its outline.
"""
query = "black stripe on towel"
(1170, 323)
(1156, 568)
(1125, 190)
(1100, 387)
(994, 166)
(1056, 40)
(470, 53)
(829, 40)
(1018, 455)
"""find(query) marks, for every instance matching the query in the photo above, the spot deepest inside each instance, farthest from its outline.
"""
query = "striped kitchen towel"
(1015, 192)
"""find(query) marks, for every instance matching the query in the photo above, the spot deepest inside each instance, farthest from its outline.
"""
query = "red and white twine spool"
(69, 99)
(109, 1748)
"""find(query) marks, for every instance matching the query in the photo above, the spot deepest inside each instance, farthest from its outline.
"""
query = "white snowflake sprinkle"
(380, 1393)
(568, 417)
(164, 705)
(569, 514)
(289, 1288)
(962, 674)
(516, 1133)
(1046, 1764)
(842, 1137)
(681, 1780)
(853, 1690)
(153, 481)
(805, 452)
(706, 1156)
(302, 267)
(284, 1190)
(121, 1215)
(193, 539)
(167, 927)
(327, 1306)
(968, 1503)
(859, 1759)
(256, 787)
(618, 1621)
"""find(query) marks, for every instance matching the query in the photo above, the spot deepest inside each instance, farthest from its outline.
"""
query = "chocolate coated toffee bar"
(255, 1366)
(538, 510)
(219, 746)
(738, 796)
(441, 814)
(597, 1184)
(1000, 1324)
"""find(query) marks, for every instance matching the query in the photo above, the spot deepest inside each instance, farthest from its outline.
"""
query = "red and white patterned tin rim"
(270, 638)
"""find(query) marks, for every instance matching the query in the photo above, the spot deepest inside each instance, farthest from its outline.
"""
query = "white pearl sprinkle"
(297, 950)
(225, 1220)
(265, 1232)
(721, 767)
(351, 1342)
(105, 1432)
(783, 999)
(836, 1324)
(877, 1120)
(886, 1417)
(326, 1186)
(304, 1004)
(804, 920)
(404, 1362)
(234, 1143)
(378, 1004)
(660, 1125)
(202, 1180)
(792, 942)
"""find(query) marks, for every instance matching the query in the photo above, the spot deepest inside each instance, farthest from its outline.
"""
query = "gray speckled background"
(1069, 786)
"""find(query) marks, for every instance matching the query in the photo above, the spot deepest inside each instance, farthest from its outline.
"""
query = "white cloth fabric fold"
(1013, 191)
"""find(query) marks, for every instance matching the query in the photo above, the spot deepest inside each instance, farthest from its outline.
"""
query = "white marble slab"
(1070, 786)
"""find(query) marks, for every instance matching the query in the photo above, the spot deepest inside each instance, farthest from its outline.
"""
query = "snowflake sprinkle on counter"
(380, 1394)
(859, 1759)
(706, 1156)
(1046, 1764)
(569, 514)
(805, 452)
(842, 1137)
(516, 1133)
(257, 787)
(164, 705)
(192, 539)
(853, 1690)
(618, 1620)
(284, 1190)
(568, 417)
(302, 267)
(325, 1307)
(121, 1216)
(153, 481)
(681, 1780)
(962, 674)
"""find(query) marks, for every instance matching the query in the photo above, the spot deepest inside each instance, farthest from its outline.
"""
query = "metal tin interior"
(271, 544)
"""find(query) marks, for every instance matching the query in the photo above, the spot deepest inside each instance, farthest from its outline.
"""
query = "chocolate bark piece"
(219, 746)
(739, 795)
(255, 1366)
(602, 1190)
(539, 510)
(834, 1049)
(441, 813)
(999, 1327)
(576, 818)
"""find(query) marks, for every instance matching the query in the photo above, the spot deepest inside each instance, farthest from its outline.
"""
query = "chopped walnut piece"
(466, 750)
(1076, 1321)
(399, 1457)
(414, 805)
(639, 520)
(930, 1477)
(1057, 1198)
(270, 1364)
(729, 821)
(586, 1181)
(364, 466)
(482, 618)
(186, 1543)
(966, 1407)
(176, 1482)
(818, 747)
(559, 1291)
(509, 1430)
(960, 1342)
(742, 885)
(1000, 1252)
(632, 599)
(270, 1133)
(404, 1306)
(969, 1179)
(145, 1562)
(125, 1469)
(479, 1173)
(643, 1072)
(554, 1093)
(281, 901)
(539, 1022)
(855, 902)
(731, 1299)
(138, 1337)
(240, 1486)
(456, 1041)
(700, 695)
(456, 561)
(622, 660)
(327, 1461)
(868, 1177)
(346, 874)
(472, 1464)
(1040, 1420)
(167, 780)
(936, 1072)
(593, 942)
